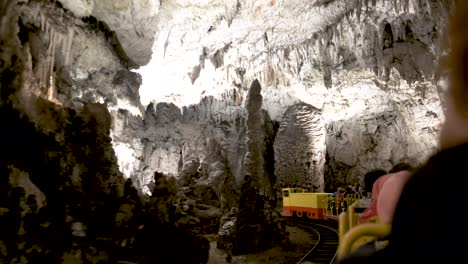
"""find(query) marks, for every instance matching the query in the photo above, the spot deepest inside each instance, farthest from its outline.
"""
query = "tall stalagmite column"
(258, 225)
(254, 160)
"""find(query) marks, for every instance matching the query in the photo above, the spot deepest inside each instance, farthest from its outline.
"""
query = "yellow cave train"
(299, 203)
(345, 210)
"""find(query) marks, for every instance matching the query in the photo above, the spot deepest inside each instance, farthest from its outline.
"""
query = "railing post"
(343, 226)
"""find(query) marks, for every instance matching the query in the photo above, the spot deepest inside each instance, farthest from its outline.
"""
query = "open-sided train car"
(322, 206)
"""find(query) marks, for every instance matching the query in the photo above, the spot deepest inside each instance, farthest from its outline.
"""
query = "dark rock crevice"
(101, 27)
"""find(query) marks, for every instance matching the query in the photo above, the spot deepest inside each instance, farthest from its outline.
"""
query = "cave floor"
(300, 244)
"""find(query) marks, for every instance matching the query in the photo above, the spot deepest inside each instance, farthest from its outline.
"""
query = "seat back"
(360, 235)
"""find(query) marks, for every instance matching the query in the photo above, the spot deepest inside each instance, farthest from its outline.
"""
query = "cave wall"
(196, 141)
(352, 61)
(300, 148)
(63, 198)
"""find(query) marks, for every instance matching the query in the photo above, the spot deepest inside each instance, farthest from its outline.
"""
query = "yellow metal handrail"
(354, 234)
(343, 225)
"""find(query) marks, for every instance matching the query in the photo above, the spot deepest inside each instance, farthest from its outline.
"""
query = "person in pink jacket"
(389, 195)
(385, 194)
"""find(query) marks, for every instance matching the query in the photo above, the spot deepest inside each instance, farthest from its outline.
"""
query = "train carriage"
(322, 206)
(298, 202)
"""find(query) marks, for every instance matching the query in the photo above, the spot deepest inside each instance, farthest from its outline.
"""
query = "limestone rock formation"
(133, 21)
(257, 225)
(258, 125)
(197, 148)
(63, 198)
(380, 140)
(227, 229)
(352, 60)
(300, 148)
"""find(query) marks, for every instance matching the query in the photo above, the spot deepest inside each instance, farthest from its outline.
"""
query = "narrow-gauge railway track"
(324, 249)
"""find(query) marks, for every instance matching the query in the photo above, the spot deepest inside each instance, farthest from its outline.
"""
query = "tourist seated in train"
(391, 185)
(402, 166)
(424, 230)
(359, 190)
(339, 200)
(390, 190)
(349, 191)
(370, 178)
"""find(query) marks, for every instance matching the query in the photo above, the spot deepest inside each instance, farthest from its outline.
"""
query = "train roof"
(301, 190)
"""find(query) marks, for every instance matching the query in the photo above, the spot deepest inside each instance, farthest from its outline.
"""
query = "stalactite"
(428, 7)
(395, 5)
(341, 30)
(418, 5)
(51, 62)
(42, 18)
(337, 53)
(69, 43)
(335, 35)
(358, 10)
(406, 6)
(57, 41)
(397, 33)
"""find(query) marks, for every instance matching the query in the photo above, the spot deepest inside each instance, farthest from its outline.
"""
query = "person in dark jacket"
(425, 227)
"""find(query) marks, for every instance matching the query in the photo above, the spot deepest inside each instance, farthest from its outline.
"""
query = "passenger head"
(371, 177)
(389, 194)
(32, 202)
(455, 128)
(402, 166)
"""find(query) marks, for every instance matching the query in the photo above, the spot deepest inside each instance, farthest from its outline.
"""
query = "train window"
(285, 193)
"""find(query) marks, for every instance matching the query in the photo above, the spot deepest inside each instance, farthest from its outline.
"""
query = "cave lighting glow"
(166, 77)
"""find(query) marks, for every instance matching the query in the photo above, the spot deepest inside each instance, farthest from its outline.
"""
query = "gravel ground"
(300, 244)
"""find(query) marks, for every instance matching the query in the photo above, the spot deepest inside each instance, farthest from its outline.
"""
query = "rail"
(325, 249)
